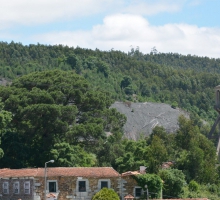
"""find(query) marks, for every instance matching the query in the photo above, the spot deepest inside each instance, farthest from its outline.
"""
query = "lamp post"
(146, 191)
(45, 177)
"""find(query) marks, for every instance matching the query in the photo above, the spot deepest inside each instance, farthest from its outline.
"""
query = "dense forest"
(56, 106)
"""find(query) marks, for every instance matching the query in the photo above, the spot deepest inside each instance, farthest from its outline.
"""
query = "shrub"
(106, 194)
(193, 186)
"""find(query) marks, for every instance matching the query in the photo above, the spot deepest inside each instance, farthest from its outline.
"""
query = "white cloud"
(32, 12)
(29, 12)
(122, 31)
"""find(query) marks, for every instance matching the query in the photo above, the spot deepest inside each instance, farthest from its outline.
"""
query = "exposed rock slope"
(143, 117)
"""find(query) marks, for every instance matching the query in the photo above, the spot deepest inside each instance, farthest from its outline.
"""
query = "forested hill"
(183, 81)
(193, 62)
(59, 105)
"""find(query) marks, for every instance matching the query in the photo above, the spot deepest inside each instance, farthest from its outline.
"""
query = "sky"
(170, 26)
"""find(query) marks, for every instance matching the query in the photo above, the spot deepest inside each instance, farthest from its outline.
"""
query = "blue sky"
(178, 26)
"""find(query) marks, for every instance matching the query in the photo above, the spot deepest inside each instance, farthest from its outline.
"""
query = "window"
(138, 192)
(27, 187)
(5, 188)
(82, 186)
(104, 184)
(16, 187)
(52, 186)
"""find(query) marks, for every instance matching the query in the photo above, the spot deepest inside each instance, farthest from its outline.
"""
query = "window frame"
(48, 184)
(7, 187)
(87, 188)
(103, 180)
(29, 187)
(14, 187)
(83, 184)
(135, 192)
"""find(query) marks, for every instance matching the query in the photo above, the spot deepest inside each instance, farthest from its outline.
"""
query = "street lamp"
(146, 191)
(45, 177)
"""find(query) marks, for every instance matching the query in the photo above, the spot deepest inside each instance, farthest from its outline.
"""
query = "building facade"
(63, 183)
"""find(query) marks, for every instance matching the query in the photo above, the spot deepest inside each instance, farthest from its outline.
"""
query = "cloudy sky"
(178, 26)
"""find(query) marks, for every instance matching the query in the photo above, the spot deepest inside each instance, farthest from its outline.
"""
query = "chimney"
(142, 169)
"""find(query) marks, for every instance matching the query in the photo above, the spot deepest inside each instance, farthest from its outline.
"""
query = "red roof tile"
(129, 196)
(60, 171)
(130, 173)
(29, 172)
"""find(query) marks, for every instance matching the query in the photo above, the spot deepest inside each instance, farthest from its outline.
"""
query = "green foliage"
(209, 191)
(193, 186)
(173, 182)
(53, 111)
(174, 105)
(59, 114)
(196, 154)
(5, 118)
(186, 81)
(66, 155)
(153, 183)
(157, 154)
(126, 81)
(134, 155)
(106, 194)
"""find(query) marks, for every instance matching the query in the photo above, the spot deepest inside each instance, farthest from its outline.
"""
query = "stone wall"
(68, 187)
(21, 194)
(128, 185)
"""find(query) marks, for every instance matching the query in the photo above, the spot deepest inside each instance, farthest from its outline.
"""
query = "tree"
(153, 182)
(106, 194)
(75, 62)
(193, 186)
(5, 118)
(134, 155)
(57, 107)
(126, 81)
(68, 155)
(195, 155)
(173, 182)
(156, 154)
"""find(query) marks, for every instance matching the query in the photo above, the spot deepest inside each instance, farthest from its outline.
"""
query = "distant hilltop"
(143, 117)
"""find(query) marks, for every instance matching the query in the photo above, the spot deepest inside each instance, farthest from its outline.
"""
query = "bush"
(193, 186)
(106, 194)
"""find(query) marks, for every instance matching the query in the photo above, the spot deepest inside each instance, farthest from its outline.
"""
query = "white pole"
(45, 180)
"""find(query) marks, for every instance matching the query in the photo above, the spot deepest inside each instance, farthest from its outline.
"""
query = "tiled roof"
(60, 171)
(130, 173)
(129, 196)
(51, 195)
(166, 165)
(29, 172)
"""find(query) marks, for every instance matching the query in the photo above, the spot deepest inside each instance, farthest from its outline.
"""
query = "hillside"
(64, 115)
(184, 81)
(143, 117)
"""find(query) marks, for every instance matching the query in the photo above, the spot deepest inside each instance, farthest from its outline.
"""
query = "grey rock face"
(143, 117)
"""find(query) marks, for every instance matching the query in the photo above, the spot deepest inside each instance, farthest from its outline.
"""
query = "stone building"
(16, 184)
(63, 183)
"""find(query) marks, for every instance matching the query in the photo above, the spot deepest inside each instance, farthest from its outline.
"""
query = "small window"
(5, 188)
(52, 186)
(16, 187)
(27, 187)
(138, 192)
(82, 186)
(104, 184)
